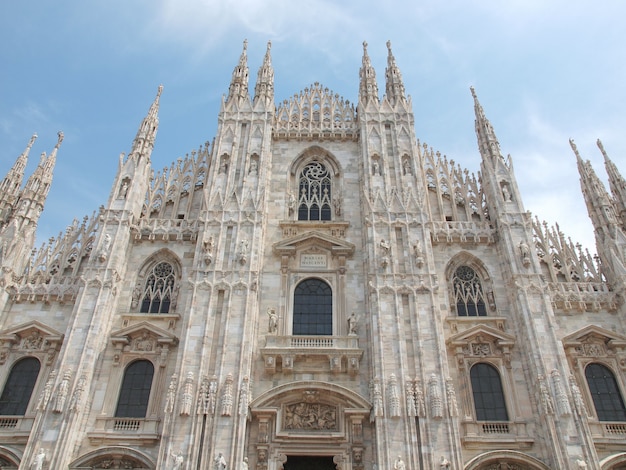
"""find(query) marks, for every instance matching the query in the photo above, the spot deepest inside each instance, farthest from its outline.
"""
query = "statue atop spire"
(394, 86)
(264, 88)
(368, 88)
(238, 89)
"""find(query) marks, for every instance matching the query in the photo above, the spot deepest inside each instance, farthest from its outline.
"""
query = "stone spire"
(11, 185)
(38, 184)
(610, 239)
(488, 144)
(394, 86)
(238, 89)
(144, 140)
(617, 185)
(18, 234)
(368, 88)
(264, 88)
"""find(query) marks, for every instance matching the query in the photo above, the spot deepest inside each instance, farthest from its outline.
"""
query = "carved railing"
(461, 232)
(582, 296)
(511, 433)
(340, 353)
(139, 430)
(15, 429)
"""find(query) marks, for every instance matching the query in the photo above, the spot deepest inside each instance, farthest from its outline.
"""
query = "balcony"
(336, 354)
(488, 434)
(131, 431)
(608, 434)
(15, 429)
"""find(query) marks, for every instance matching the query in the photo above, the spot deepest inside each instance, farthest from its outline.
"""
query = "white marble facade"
(316, 285)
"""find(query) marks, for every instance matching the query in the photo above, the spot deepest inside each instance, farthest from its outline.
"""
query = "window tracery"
(315, 192)
(469, 295)
(158, 293)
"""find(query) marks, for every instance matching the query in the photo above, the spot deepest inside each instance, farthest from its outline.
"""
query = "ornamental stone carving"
(305, 416)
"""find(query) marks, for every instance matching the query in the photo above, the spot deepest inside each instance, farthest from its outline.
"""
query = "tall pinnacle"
(144, 140)
(264, 88)
(616, 183)
(12, 182)
(394, 85)
(488, 144)
(368, 88)
(597, 199)
(238, 89)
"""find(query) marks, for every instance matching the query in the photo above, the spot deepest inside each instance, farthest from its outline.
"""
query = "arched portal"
(309, 424)
(498, 459)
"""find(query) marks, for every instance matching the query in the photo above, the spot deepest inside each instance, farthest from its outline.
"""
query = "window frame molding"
(31, 339)
(136, 297)
(594, 344)
(467, 259)
(312, 154)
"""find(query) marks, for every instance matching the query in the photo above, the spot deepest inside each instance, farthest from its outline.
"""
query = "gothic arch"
(315, 153)
(467, 259)
(328, 417)
(491, 460)
(613, 461)
(150, 291)
(10, 458)
(101, 457)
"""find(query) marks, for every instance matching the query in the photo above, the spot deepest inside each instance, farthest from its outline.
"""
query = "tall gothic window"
(135, 391)
(19, 387)
(468, 293)
(488, 394)
(605, 393)
(157, 294)
(314, 188)
(313, 308)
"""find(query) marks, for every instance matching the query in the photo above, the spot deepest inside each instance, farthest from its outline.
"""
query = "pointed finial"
(159, 91)
(389, 46)
(365, 47)
(473, 93)
(269, 45)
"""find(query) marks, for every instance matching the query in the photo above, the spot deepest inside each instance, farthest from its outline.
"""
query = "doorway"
(309, 462)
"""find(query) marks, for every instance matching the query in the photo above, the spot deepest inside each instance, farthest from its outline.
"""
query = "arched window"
(605, 393)
(488, 395)
(314, 189)
(313, 308)
(19, 387)
(157, 294)
(468, 293)
(135, 391)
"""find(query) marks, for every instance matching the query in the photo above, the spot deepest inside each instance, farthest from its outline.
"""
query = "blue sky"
(544, 71)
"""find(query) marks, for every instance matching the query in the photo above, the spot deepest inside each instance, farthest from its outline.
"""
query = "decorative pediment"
(31, 337)
(594, 341)
(336, 246)
(144, 339)
(313, 251)
(482, 333)
(482, 341)
(142, 336)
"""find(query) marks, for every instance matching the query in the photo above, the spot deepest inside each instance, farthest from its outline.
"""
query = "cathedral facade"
(315, 289)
